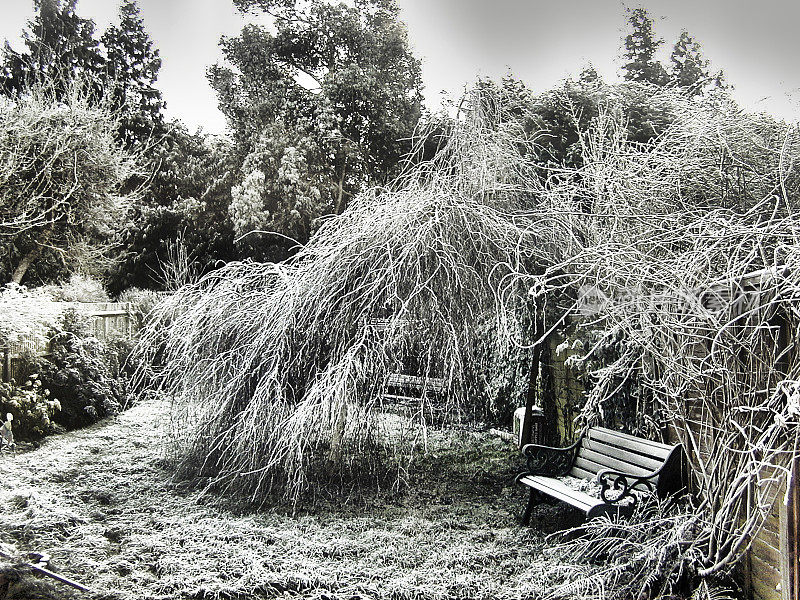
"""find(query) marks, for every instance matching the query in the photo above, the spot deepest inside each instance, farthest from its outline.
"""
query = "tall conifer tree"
(641, 46)
(60, 46)
(132, 66)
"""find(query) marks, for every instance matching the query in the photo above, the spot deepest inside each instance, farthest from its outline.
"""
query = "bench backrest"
(602, 448)
(402, 380)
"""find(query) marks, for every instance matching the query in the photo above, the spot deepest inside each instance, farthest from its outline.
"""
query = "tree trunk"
(340, 205)
(530, 400)
(552, 435)
(337, 439)
(25, 264)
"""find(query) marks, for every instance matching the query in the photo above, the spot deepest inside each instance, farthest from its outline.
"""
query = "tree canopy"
(60, 168)
(132, 64)
(688, 68)
(641, 46)
(187, 199)
(318, 108)
(61, 46)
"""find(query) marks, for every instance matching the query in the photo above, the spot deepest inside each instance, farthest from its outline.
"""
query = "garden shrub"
(142, 302)
(33, 408)
(25, 314)
(119, 357)
(503, 371)
(78, 288)
(80, 374)
(86, 376)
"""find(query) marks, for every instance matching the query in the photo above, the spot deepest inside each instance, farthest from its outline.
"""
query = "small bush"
(80, 374)
(119, 357)
(79, 288)
(32, 406)
(142, 301)
(25, 314)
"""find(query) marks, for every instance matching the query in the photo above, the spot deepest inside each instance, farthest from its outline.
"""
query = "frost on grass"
(101, 503)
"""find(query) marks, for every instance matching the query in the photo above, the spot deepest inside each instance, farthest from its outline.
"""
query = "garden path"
(101, 502)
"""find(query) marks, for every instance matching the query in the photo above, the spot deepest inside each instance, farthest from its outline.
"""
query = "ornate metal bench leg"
(533, 500)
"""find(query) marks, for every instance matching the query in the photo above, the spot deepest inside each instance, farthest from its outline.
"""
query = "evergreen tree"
(190, 193)
(60, 46)
(319, 107)
(132, 65)
(641, 46)
(690, 69)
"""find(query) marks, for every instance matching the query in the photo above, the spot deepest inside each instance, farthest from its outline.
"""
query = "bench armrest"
(549, 461)
(618, 485)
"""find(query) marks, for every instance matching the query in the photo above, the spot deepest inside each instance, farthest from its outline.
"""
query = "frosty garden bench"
(399, 382)
(411, 393)
(623, 465)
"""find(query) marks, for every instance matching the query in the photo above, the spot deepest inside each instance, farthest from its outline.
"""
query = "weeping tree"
(276, 371)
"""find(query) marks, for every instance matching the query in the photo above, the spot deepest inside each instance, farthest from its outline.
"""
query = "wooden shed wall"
(770, 565)
(763, 563)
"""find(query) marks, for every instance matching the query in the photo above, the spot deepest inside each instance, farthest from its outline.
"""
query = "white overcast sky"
(539, 41)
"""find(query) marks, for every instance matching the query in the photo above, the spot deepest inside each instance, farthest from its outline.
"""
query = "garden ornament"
(6, 435)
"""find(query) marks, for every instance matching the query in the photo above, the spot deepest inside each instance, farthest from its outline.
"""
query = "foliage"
(131, 69)
(25, 314)
(551, 123)
(78, 288)
(277, 371)
(79, 374)
(188, 196)
(119, 356)
(123, 64)
(60, 47)
(650, 555)
(553, 120)
(143, 301)
(59, 174)
(665, 232)
(640, 49)
(113, 76)
(88, 377)
(32, 407)
(502, 372)
(283, 191)
(689, 66)
(321, 107)
(627, 402)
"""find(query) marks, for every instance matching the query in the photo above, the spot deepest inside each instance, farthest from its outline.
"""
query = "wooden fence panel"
(108, 320)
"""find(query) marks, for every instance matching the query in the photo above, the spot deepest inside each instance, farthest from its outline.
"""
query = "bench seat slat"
(592, 468)
(629, 442)
(631, 438)
(598, 462)
(399, 398)
(583, 474)
(561, 491)
(586, 466)
(640, 460)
